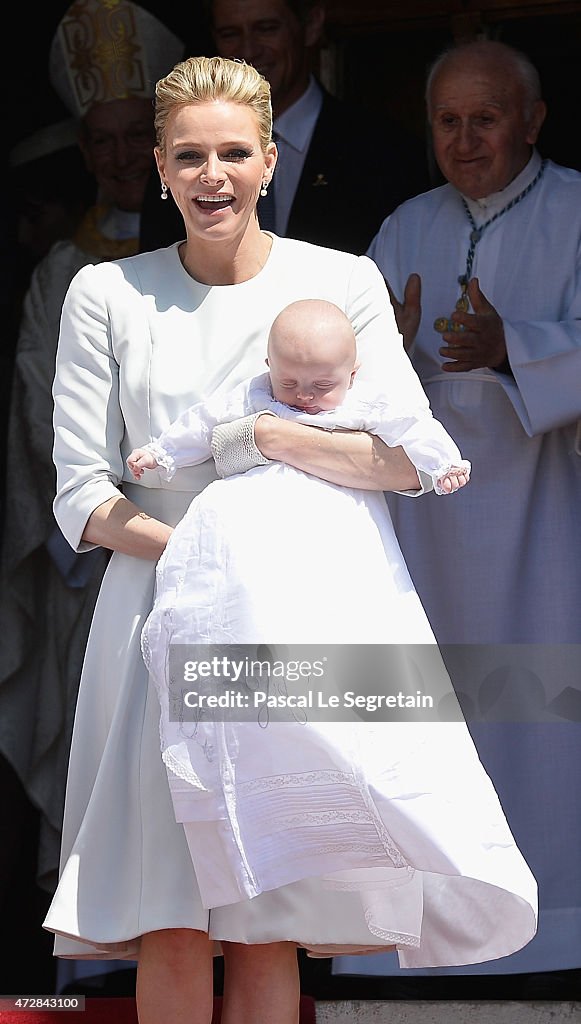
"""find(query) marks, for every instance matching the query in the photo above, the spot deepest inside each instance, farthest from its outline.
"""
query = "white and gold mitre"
(109, 50)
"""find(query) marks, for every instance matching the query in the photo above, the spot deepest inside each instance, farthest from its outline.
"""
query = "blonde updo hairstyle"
(204, 79)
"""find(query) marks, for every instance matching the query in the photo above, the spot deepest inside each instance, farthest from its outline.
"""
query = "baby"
(277, 555)
(312, 359)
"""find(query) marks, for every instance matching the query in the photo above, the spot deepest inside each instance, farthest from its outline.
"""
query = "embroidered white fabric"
(165, 460)
(234, 448)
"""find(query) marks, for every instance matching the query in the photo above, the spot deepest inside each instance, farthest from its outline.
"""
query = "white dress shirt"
(294, 129)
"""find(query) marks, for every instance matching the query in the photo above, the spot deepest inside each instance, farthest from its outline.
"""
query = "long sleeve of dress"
(88, 422)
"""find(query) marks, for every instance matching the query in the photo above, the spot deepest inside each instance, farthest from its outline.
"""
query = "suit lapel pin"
(320, 180)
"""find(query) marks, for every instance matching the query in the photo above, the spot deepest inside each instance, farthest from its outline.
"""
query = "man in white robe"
(500, 566)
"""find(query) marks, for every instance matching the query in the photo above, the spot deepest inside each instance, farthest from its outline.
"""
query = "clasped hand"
(139, 460)
(453, 480)
(481, 343)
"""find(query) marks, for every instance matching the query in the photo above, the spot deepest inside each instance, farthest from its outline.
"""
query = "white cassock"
(501, 564)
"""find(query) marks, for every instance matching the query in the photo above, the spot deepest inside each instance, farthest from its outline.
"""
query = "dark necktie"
(266, 206)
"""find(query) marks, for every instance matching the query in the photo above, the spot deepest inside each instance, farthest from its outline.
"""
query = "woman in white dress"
(141, 338)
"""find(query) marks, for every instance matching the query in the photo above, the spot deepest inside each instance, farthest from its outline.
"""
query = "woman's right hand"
(120, 525)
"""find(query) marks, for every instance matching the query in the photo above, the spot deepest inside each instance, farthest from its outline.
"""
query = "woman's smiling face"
(214, 167)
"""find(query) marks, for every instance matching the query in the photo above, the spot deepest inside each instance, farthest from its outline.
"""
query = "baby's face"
(310, 385)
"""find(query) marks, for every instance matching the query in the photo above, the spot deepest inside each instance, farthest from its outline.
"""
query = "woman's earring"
(163, 190)
(264, 189)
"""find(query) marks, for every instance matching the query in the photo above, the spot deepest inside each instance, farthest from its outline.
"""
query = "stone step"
(411, 1011)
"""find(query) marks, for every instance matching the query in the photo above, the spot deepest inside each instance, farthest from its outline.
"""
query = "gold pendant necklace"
(443, 324)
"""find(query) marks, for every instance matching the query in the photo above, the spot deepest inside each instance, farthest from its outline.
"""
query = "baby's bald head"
(312, 329)
(312, 355)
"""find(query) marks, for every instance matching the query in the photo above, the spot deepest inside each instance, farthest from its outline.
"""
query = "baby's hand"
(453, 480)
(140, 460)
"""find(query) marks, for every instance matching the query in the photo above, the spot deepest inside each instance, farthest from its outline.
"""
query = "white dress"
(140, 339)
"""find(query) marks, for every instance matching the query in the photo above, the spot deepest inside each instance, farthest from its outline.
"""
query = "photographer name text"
(233, 700)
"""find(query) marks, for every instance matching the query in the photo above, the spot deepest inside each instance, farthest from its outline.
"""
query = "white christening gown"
(395, 807)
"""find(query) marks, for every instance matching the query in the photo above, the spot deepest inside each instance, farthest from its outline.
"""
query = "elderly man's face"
(268, 35)
(117, 143)
(482, 138)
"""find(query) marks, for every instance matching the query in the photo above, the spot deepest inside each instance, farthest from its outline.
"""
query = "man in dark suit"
(339, 173)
